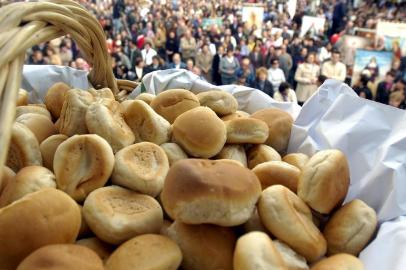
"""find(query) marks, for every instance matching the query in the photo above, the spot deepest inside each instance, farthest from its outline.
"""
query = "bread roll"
(22, 98)
(141, 167)
(261, 153)
(350, 228)
(20, 110)
(200, 132)
(148, 251)
(102, 249)
(339, 262)
(254, 224)
(288, 218)
(280, 124)
(6, 176)
(48, 148)
(45, 217)
(234, 152)
(82, 164)
(204, 246)
(221, 102)
(146, 124)
(146, 97)
(235, 115)
(324, 181)
(62, 257)
(255, 250)
(172, 103)
(73, 113)
(277, 173)
(103, 93)
(40, 125)
(116, 214)
(292, 260)
(246, 130)
(298, 160)
(173, 152)
(27, 180)
(84, 228)
(55, 97)
(23, 148)
(108, 123)
(200, 191)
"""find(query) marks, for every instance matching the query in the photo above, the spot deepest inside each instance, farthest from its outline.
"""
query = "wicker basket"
(25, 24)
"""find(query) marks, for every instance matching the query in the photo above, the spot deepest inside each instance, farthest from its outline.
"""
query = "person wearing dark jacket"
(256, 58)
(216, 66)
(384, 88)
(261, 82)
(156, 64)
(171, 45)
(362, 89)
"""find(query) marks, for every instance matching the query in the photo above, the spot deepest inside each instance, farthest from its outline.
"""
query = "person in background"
(147, 53)
(177, 62)
(275, 74)
(385, 88)
(334, 69)
(247, 71)
(285, 93)
(139, 69)
(306, 77)
(397, 100)
(361, 88)
(216, 76)
(53, 58)
(190, 64)
(188, 46)
(261, 82)
(204, 61)
(325, 52)
(172, 46)
(285, 60)
(156, 64)
(37, 58)
(228, 67)
(256, 58)
(134, 53)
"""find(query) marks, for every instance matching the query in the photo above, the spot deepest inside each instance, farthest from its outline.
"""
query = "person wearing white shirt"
(275, 74)
(334, 69)
(285, 93)
(147, 53)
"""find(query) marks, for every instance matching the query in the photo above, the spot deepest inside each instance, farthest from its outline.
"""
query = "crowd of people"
(144, 36)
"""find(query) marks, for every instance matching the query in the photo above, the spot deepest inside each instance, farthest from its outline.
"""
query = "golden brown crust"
(246, 130)
(261, 153)
(146, 97)
(174, 152)
(22, 98)
(221, 102)
(102, 249)
(40, 125)
(298, 160)
(55, 97)
(277, 173)
(103, 93)
(233, 152)
(6, 176)
(235, 115)
(20, 110)
(339, 262)
(48, 148)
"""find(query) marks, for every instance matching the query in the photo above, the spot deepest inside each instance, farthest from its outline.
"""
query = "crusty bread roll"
(148, 251)
(277, 173)
(45, 217)
(221, 102)
(174, 152)
(200, 132)
(146, 97)
(20, 110)
(254, 224)
(255, 250)
(298, 160)
(246, 130)
(23, 149)
(73, 114)
(324, 181)
(141, 167)
(234, 152)
(339, 262)
(116, 214)
(84, 228)
(48, 148)
(62, 257)
(235, 115)
(172, 103)
(22, 98)
(103, 93)
(40, 125)
(261, 153)
(280, 124)
(55, 97)
(146, 124)
(287, 217)
(6, 176)
(107, 121)
(204, 246)
(218, 192)
(350, 228)
(82, 164)
(102, 249)
(27, 180)
(292, 260)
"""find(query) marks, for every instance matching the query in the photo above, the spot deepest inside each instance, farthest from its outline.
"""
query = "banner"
(291, 4)
(392, 35)
(376, 61)
(208, 22)
(275, 30)
(253, 15)
(349, 45)
(312, 25)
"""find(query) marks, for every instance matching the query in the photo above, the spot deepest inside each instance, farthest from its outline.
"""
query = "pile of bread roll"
(173, 181)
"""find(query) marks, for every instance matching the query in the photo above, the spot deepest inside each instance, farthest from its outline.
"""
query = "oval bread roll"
(234, 152)
(6, 176)
(246, 130)
(40, 125)
(339, 262)
(221, 102)
(261, 153)
(235, 115)
(174, 152)
(55, 97)
(298, 160)
(146, 97)
(48, 148)
(102, 249)
(277, 173)
(20, 110)
(292, 260)
(22, 98)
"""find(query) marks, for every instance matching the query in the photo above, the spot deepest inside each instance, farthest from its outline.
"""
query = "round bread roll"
(73, 113)
(20, 110)
(234, 152)
(200, 191)
(6, 176)
(148, 251)
(141, 167)
(298, 160)
(109, 124)
(55, 97)
(200, 132)
(280, 124)
(103, 93)
(235, 115)
(221, 102)
(288, 218)
(339, 262)
(48, 148)
(277, 173)
(84, 228)
(292, 260)
(22, 98)
(146, 97)
(62, 257)
(261, 153)
(246, 130)
(116, 214)
(40, 125)
(146, 124)
(27, 180)
(350, 228)
(204, 246)
(172, 103)
(255, 224)
(23, 149)
(174, 152)
(324, 181)
(82, 164)
(255, 250)
(102, 249)
(45, 217)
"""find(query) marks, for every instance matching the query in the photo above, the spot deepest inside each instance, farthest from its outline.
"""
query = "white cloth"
(147, 56)
(276, 77)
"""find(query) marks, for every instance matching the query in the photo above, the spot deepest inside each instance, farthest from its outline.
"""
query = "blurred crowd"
(144, 36)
